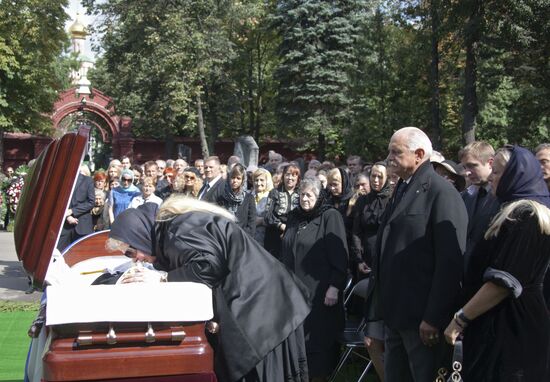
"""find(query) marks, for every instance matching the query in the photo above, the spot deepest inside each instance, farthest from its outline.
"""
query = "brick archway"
(101, 105)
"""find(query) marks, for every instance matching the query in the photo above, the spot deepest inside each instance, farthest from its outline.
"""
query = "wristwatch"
(462, 317)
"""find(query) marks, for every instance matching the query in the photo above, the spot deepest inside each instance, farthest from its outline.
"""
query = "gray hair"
(416, 139)
(310, 183)
(542, 146)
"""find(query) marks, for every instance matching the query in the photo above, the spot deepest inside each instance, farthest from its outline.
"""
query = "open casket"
(137, 332)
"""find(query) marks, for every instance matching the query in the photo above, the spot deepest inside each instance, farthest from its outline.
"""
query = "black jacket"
(369, 210)
(245, 214)
(214, 192)
(419, 254)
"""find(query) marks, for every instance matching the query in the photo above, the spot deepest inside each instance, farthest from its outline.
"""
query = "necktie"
(204, 190)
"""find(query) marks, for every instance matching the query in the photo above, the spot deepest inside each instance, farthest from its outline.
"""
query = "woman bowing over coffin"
(259, 305)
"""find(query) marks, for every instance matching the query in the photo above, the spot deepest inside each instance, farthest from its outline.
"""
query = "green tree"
(316, 58)
(32, 67)
(161, 59)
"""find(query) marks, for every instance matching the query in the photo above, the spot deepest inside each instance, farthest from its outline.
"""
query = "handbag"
(456, 366)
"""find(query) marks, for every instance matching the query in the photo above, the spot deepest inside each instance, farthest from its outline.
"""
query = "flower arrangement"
(13, 193)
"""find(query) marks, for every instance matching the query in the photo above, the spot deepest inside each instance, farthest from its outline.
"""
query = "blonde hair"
(480, 150)
(177, 205)
(515, 210)
(334, 174)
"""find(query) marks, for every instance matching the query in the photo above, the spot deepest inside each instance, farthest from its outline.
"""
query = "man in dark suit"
(78, 219)
(481, 205)
(213, 181)
(418, 265)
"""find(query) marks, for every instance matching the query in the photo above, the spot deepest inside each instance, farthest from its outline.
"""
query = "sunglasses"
(126, 180)
(189, 177)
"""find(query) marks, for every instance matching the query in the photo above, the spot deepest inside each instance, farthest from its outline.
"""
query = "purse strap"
(456, 366)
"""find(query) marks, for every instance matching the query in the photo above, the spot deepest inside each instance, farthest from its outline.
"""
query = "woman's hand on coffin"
(143, 275)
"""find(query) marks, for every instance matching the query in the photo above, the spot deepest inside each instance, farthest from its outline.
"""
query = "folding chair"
(352, 338)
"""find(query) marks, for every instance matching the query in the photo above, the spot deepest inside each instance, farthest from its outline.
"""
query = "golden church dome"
(78, 29)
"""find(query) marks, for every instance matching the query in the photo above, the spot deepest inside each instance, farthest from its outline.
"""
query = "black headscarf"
(347, 188)
(321, 205)
(522, 179)
(135, 226)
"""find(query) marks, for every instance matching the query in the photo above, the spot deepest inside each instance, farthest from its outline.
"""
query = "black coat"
(316, 251)
(369, 210)
(419, 252)
(82, 202)
(257, 301)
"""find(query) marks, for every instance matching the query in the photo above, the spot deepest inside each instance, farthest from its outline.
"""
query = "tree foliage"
(343, 73)
(32, 67)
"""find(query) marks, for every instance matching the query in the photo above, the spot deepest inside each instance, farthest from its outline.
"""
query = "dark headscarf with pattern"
(522, 179)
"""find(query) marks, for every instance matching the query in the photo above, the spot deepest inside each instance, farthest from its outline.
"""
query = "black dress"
(314, 247)
(511, 341)
(259, 304)
(367, 219)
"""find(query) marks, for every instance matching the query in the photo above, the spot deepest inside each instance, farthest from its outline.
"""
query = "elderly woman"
(121, 196)
(280, 202)
(236, 200)
(259, 305)
(98, 211)
(315, 249)
(263, 184)
(506, 325)
(189, 183)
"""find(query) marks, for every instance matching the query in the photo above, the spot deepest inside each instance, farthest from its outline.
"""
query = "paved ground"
(13, 280)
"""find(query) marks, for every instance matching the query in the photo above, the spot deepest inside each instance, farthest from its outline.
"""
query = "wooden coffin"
(108, 349)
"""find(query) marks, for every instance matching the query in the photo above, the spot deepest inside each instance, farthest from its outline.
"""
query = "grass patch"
(18, 306)
(14, 342)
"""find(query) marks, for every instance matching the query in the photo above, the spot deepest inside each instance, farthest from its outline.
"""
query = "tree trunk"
(200, 125)
(434, 75)
(470, 107)
(250, 93)
(259, 110)
(1, 149)
(321, 146)
(381, 67)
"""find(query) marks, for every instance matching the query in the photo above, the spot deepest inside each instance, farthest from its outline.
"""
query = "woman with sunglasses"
(259, 305)
(189, 183)
(121, 196)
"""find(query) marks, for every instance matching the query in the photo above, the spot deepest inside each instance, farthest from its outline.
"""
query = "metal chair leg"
(364, 373)
(341, 363)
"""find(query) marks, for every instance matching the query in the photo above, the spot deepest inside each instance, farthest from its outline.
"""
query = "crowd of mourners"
(452, 250)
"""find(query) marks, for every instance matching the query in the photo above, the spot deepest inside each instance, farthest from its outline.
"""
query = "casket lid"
(44, 199)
